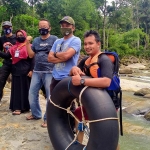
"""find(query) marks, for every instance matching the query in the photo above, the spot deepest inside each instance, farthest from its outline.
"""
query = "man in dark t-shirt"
(6, 41)
(42, 72)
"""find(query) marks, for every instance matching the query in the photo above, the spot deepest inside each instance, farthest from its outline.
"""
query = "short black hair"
(43, 19)
(94, 33)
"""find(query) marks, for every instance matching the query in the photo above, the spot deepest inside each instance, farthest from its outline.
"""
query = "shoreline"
(130, 85)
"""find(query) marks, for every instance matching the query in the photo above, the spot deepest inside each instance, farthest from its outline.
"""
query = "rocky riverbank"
(16, 133)
(19, 134)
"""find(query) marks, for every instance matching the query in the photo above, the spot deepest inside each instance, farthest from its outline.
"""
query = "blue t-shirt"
(41, 48)
(61, 70)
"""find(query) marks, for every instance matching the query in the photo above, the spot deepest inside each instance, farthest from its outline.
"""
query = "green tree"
(85, 16)
(2, 16)
(25, 22)
(125, 43)
(15, 7)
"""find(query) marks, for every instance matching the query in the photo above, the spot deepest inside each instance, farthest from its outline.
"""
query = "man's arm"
(61, 56)
(103, 82)
(28, 47)
(64, 56)
(5, 55)
(1, 44)
(52, 58)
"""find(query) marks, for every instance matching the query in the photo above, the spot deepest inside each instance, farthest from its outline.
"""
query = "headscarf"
(21, 47)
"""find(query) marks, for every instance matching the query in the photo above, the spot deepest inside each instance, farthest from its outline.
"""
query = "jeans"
(38, 79)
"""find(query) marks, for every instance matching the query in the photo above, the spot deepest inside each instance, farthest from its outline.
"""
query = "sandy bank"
(130, 85)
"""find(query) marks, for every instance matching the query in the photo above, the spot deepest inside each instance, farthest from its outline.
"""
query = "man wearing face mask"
(42, 72)
(6, 41)
(65, 51)
(64, 54)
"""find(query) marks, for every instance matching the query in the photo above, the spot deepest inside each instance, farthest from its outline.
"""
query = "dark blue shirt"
(41, 48)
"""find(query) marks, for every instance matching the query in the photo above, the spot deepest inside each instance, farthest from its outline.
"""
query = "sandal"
(44, 124)
(16, 112)
(31, 117)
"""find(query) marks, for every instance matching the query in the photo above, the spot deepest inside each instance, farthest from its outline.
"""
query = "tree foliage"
(124, 25)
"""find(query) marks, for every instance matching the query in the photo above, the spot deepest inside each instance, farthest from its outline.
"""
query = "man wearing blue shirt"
(65, 51)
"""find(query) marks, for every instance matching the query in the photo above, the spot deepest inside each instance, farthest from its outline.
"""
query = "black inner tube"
(104, 135)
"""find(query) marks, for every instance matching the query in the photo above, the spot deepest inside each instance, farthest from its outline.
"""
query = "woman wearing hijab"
(22, 67)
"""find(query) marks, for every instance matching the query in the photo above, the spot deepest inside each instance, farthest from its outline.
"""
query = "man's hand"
(76, 71)
(76, 80)
(28, 39)
(30, 74)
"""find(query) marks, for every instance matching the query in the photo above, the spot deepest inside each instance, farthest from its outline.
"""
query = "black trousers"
(5, 71)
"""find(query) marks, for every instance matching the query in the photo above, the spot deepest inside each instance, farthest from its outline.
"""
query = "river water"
(132, 140)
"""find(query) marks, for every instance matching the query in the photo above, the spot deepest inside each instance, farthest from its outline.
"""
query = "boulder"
(147, 96)
(125, 71)
(138, 108)
(147, 115)
(142, 92)
(137, 66)
(129, 60)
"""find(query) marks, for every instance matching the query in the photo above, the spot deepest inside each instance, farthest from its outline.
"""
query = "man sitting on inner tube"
(92, 47)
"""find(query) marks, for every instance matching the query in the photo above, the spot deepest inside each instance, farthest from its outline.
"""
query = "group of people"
(47, 61)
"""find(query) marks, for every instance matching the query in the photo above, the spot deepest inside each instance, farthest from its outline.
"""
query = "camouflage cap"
(67, 19)
(7, 23)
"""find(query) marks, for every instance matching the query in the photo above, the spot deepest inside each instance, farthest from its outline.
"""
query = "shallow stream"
(131, 141)
(134, 140)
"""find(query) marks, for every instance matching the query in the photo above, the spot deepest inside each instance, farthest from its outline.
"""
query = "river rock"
(129, 60)
(136, 66)
(147, 115)
(142, 92)
(147, 96)
(138, 108)
(125, 71)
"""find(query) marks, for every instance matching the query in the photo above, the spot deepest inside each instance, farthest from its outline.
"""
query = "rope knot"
(68, 110)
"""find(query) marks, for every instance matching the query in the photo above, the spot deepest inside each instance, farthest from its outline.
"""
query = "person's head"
(44, 27)
(21, 36)
(67, 26)
(92, 42)
(7, 28)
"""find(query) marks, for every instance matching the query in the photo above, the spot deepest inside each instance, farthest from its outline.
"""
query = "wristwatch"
(82, 81)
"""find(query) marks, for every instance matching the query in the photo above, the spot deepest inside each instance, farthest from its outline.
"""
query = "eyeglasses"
(61, 45)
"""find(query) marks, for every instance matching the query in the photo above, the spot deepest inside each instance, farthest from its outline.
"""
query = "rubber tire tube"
(104, 135)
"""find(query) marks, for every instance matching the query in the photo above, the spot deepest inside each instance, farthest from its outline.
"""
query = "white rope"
(98, 120)
(68, 110)
(83, 118)
(75, 138)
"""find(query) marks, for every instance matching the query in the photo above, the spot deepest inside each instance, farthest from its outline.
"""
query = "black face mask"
(20, 39)
(7, 31)
(43, 31)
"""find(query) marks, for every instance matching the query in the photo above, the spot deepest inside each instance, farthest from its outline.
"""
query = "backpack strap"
(115, 62)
